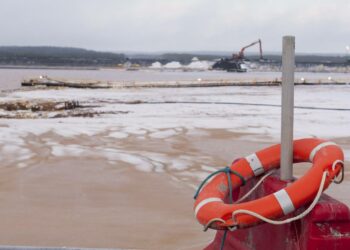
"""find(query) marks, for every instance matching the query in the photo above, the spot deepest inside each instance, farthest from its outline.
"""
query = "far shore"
(49, 67)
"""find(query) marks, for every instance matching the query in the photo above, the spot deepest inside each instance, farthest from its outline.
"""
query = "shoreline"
(334, 70)
(49, 67)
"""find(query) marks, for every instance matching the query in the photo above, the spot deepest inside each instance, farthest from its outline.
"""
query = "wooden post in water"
(288, 67)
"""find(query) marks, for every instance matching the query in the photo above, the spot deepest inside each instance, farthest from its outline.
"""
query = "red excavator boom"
(240, 55)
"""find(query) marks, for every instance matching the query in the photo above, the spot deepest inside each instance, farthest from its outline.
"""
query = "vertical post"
(288, 67)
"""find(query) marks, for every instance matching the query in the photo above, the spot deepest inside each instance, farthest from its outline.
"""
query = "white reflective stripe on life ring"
(255, 164)
(318, 148)
(285, 201)
(205, 202)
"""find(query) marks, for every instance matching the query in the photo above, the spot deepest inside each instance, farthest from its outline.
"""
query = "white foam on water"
(22, 165)
(208, 168)
(10, 149)
(139, 163)
(194, 174)
(68, 150)
(158, 167)
(197, 132)
(180, 165)
(158, 160)
(135, 130)
(50, 142)
(161, 161)
(162, 121)
(11, 136)
(118, 135)
(16, 153)
(23, 155)
(163, 134)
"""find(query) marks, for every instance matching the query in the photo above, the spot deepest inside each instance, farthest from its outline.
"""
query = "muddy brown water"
(89, 201)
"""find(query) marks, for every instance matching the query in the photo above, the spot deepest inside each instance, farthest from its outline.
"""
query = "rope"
(206, 227)
(227, 171)
(335, 180)
(255, 187)
(222, 245)
(275, 222)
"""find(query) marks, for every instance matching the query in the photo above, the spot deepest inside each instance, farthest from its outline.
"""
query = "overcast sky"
(176, 25)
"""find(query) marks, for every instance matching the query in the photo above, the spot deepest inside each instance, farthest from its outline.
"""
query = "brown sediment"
(38, 105)
(35, 109)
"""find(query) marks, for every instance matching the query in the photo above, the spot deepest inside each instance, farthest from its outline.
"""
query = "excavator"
(240, 55)
(235, 63)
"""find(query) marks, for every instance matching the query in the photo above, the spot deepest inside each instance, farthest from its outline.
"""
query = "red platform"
(327, 227)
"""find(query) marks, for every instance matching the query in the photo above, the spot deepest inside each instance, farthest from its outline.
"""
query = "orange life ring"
(211, 210)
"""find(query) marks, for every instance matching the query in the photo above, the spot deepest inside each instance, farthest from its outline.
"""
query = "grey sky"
(176, 25)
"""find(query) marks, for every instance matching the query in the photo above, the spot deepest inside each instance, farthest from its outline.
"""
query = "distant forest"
(57, 56)
(76, 57)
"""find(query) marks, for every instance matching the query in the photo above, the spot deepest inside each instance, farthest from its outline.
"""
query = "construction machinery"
(235, 63)
(240, 55)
